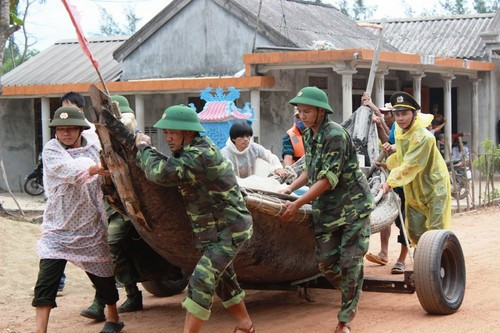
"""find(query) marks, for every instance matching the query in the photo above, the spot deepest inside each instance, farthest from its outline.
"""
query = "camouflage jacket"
(208, 186)
(332, 155)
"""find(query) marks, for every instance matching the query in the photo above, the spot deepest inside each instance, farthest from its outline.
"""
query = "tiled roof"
(65, 62)
(220, 111)
(291, 23)
(446, 36)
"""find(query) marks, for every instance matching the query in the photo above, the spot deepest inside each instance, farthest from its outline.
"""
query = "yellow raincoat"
(419, 167)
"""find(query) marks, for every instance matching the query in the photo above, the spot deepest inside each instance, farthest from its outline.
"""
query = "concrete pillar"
(417, 86)
(255, 103)
(447, 109)
(346, 92)
(492, 105)
(139, 112)
(475, 115)
(45, 120)
(378, 99)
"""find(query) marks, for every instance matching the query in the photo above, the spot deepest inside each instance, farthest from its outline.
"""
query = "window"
(319, 81)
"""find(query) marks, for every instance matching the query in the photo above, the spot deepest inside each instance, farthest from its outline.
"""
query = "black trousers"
(50, 274)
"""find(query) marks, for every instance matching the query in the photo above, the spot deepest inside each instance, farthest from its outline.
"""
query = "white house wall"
(17, 137)
(203, 39)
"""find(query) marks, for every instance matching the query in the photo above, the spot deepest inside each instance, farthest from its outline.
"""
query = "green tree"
(344, 7)
(358, 10)
(485, 6)
(9, 23)
(17, 52)
(109, 26)
(361, 11)
(454, 7)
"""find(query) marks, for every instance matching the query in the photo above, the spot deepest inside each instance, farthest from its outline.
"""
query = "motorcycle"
(460, 184)
(33, 183)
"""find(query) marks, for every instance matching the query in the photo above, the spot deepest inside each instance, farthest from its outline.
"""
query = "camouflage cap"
(180, 117)
(123, 105)
(312, 96)
(69, 116)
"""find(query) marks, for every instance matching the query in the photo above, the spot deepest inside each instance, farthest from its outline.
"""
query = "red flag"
(84, 43)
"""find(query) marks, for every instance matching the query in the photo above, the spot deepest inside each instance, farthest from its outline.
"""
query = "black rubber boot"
(134, 299)
(95, 311)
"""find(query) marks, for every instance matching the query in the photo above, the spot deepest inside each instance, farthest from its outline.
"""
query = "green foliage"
(109, 27)
(357, 11)
(13, 57)
(489, 164)
(454, 7)
(491, 195)
(14, 19)
(344, 7)
(485, 6)
(490, 158)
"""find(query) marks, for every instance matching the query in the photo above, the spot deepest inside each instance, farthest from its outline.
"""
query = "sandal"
(398, 268)
(111, 327)
(375, 258)
(343, 328)
(251, 329)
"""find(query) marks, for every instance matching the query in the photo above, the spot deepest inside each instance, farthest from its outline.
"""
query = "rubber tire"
(32, 187)
(439, 272)
(165, 288)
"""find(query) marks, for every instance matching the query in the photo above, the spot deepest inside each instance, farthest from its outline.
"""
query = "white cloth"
(244, 161)
(91, 136)
(74, 221)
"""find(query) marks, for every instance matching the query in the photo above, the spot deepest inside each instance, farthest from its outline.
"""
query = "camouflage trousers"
(214, 274)
(119, 230)
(340, 257)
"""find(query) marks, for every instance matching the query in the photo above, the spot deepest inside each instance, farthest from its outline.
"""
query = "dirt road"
(271, 311)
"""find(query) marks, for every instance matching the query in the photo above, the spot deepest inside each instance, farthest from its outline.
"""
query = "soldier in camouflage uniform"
(340, 197)
(220, 220)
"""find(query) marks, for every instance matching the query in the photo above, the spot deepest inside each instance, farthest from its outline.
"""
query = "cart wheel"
(164, 288)
(439, 272)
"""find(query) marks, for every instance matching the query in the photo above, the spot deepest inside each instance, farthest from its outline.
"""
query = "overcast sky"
(47, 23)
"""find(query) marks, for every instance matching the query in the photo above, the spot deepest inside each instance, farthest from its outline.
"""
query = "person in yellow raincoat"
(419, 167)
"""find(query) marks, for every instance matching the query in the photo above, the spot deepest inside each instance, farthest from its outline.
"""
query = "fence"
(478, 183)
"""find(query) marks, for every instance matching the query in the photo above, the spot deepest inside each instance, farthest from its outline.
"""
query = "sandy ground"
(271, 311)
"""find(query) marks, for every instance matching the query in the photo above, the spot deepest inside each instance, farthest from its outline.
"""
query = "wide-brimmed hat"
(180, 117)
(69, 116)
(312, 96)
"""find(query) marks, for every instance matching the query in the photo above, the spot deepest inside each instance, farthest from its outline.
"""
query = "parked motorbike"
(33, 183)
(460, 184)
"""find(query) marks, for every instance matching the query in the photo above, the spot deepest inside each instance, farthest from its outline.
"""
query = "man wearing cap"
(386, 126)
(220, 220)
(340, 198)
(419, 167)
(293, 146)
(120, 231)
(74, 224)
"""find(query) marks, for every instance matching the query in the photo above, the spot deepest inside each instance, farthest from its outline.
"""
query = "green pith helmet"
(69, 116)
(123, 105)
(180, 117)
(312, 96)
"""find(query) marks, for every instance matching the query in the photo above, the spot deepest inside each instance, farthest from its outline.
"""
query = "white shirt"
(74, 221)
(244, 161)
